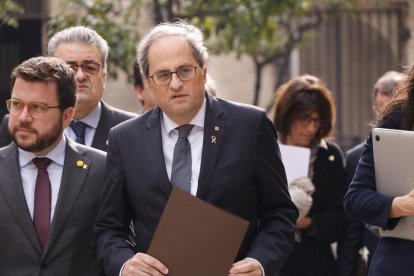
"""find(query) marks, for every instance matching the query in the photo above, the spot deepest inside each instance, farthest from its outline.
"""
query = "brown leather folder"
(195, 238)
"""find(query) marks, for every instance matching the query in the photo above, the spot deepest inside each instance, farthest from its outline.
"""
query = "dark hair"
(49, 69)
(299, 95)
(137, 74)
(403, 101)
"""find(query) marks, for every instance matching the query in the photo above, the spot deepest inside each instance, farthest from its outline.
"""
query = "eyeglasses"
(36, 110)
(184, 73)
(89, 68)
(306, 120)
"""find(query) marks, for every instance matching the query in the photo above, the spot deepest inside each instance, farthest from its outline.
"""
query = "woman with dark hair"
(304, 115)
(393, 256)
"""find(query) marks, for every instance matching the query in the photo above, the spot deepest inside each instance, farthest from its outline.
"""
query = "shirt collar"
(57, 154)
(92, 119)
(198, 120)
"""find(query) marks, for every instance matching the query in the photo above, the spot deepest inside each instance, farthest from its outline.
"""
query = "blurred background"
(255, 45)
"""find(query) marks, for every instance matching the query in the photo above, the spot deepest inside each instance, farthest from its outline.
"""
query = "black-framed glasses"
(306, 120)
(184, 73)
(36, 110)
(89, 67)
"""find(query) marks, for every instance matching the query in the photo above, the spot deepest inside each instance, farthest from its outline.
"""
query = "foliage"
(267, 31)
(115, 21)
(8, 10)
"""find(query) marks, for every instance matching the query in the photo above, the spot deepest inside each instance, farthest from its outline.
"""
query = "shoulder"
(331, 148)
(239, 107)
(238, 113)
(7, 150)
(355, 151)
(91, 153)
(117, 114)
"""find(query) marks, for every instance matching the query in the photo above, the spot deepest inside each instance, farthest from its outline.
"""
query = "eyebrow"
(82, 62)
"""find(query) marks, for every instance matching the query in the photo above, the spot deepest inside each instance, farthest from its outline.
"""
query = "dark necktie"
(79, 129)
(181, 166)
(42, 200)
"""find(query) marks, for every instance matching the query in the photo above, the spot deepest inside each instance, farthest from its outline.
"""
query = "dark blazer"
(110, 117)
(393, 256)
(242, 173)
(351, 241)
(313, 254)
(68, 250)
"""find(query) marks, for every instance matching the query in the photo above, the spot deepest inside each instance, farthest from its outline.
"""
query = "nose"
(25, 115)
(79, 74)
(175, 83)
(313, 126)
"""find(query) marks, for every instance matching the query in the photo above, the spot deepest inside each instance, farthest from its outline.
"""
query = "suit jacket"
(241, 172)
(351, 241)
(313, 255)
(110, 117)
(393, 256)
(68, 250)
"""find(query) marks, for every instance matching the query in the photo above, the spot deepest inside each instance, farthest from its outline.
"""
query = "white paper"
(296, 161)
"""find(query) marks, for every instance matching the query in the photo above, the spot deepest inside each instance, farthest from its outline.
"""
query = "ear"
(205, 74)
(139, 91)
(67, 116)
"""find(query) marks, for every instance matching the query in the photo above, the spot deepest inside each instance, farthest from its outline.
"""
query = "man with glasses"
(49, 185)
(86, 52)
(222, 152)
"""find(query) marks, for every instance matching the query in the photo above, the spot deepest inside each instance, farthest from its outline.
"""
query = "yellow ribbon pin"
(213, 139)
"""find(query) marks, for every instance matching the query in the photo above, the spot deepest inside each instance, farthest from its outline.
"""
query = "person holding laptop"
(362, 201)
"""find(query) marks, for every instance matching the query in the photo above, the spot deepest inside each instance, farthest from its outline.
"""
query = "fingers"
(246, 267)
(143, 264)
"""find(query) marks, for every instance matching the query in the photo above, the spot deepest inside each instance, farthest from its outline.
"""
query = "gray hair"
(79, 34)
(387, 83)
(192, 34)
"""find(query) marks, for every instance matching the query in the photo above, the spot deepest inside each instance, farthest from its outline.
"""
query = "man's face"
(90, 87)
(380, 102)
(37, 135)
(179, 100)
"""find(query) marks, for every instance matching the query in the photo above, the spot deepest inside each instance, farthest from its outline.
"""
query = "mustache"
(25, 126)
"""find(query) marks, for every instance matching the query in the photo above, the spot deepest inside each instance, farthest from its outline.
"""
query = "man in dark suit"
(47, 212)
(86, 52)
(235, 161)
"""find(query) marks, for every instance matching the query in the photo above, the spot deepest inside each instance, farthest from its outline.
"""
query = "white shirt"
(170, 136)
(92, 120)
(28, 172)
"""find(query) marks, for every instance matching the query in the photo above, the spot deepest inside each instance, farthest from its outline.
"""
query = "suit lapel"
(100, 139)
(12, 190)
(73, 178)
(154, 151)
(214, 129)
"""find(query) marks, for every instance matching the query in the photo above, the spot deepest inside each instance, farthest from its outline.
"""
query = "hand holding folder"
(194, 237)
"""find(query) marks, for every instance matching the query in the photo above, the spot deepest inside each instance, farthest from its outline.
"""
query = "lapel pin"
(80, 163)
(213, 139)
(85, 166)
(331, 158)
(216, 128)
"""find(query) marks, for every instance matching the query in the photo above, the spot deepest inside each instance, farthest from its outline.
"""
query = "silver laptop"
(394, 171)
